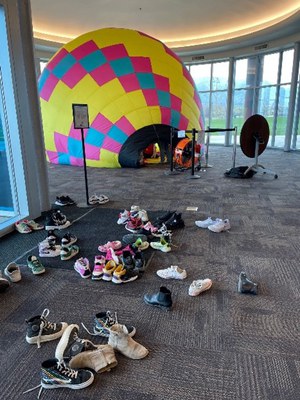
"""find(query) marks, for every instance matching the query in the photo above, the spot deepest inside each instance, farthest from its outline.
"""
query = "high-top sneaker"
(127, 259)
(56, 220)
(134, 224)
(82, 353)
(99, 264)
(39, 329)
(139, 261)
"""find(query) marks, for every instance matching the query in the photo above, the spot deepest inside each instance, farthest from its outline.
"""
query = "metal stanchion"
(172, 171)
(193, 176)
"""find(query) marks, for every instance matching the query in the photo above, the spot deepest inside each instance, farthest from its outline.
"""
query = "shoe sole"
(38, 272)
(69, 385)
(53, 227)
(158, 306)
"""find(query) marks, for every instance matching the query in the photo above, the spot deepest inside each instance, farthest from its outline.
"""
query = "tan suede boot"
(120, 340)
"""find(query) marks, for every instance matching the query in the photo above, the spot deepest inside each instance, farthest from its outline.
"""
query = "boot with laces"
(39, 329)
(120, 340)
(82, 353)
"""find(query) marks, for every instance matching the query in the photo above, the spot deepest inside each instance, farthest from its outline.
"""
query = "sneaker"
(124, 275)
(52, 239)
(163, 218)
(175, 222)
(39, 329)
(199, 286)
(130, 238)
(35, 265)
(22, 227)
(33, 225)
(123, 217)
(143, 215)
(220, 226)
(162, 245)
(99, 264)
(57, 220)
(134, 209)
(82, 266)
(68, 239)
(139, 261)
(127, 259)
(4, 283)
(108, 270)
(95, 199)
(115, 245)
(173, 272)
(56, 375)
(162, 231)
(149, 227)
(13, 272)
(104, 321)
(61, 201)
(82, 353)
(66, 253)
(140, 245)
(207, 222)
(134, 224)
(48, 250)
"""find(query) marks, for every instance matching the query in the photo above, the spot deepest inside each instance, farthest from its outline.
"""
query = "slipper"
(115, 245)
(22, 227)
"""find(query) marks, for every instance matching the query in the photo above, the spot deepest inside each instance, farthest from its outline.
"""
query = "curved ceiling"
(181, 24)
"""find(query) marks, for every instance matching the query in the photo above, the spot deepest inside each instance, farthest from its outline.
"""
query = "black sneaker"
(127, 260)
(61, 201)
(139, 261)
(175, 221)
(103, 321)
(56, 220)
(70, 201)
(163, 218)
(68, 239)
(4, 283)
(55, 374)
(70, 344)
(39, 329)
(52, 238)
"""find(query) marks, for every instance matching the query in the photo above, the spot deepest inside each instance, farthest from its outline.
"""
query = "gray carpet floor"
(220, 345)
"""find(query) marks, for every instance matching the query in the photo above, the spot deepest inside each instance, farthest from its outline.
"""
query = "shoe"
(102, 199)
(57, 375)
(68, 239)
(22, 227)
(150, 228)
(162, 245)
(199, 286)
(163, 218)
(33, 225)
(108, 270)
(140, 245)
(162, 231)
(82, 353)
(82, 266)
(4, 283)
(111, 255)
(35, 265)
(162, 299)
(220, 226)
(173, 272)
(99, 264)
(130, 238)
(66, 253)
(134, 209)
(124, 275)
(13, 272)
(40, 330)
(143, 215)
(115, 245)
(51, 239)
(207, 222)
(245, 285)
(120, 340)
(103, 321)
(134, 224)
(47, 250)
(175, 222)
(127, 260)
(139, 262)
(61, 201)
(56, 220)
(123, 217)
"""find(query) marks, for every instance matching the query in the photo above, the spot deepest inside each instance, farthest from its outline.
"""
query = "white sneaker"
(123, 217)
(12, 271)
(199, 286)
(143, 215)
(173, 272)
(134, 209)
(220, 226)
(48, 250)
(207, 222)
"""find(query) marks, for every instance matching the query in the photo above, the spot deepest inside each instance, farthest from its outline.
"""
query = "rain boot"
(245, 285)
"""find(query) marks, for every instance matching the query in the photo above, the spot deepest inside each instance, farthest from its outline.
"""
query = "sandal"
(22, 227)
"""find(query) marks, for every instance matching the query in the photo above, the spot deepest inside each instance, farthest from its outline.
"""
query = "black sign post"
(81, 121)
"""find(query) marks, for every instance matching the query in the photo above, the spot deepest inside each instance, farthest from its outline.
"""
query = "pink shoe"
(127, 248)
(82, 266)
(111, 255)
(99, 264)
(150, 227)
(116, 244)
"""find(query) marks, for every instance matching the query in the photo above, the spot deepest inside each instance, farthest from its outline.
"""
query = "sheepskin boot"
(82, 353)
(120, 340)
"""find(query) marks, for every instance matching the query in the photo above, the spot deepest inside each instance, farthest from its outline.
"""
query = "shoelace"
(45, 324)
(61, 366)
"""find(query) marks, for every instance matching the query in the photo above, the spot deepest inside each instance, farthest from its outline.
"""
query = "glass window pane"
(220, 75)
(205, 105)
(270, 69)
(287, 66)
(245, 72)
(283, 107)
(266, 101)
(201, 76)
